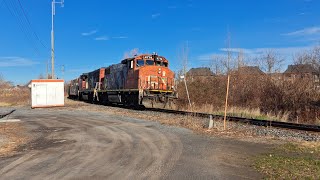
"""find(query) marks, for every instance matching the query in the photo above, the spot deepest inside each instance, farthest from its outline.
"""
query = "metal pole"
(52, 40)
(52, 34)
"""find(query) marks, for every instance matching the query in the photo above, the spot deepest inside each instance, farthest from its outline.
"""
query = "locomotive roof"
(144, 56)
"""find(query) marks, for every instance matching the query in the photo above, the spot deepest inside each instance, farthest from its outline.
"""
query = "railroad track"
(266, 123)
(257, 122)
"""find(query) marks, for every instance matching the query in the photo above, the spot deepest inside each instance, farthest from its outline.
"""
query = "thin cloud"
(284, 51)
(89, 33)
(258, 51)
(155, 15)
(210, 56)
(16, 62)
(304, 32)
(102, 38)
(120, 37)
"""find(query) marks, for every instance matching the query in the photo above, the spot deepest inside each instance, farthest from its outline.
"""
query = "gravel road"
(90, 145)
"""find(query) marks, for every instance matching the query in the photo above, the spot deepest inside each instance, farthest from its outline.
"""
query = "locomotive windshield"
(160, 63)
(150, 62)
(140, 62)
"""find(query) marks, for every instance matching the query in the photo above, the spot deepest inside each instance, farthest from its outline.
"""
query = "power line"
(14, 13)
(23, 25)
(35, 34)
(2, 2)
(26, 23)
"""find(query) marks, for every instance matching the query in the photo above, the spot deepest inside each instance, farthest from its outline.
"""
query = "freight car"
(143, 80)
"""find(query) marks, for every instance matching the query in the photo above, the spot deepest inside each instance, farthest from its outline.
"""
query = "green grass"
(290, 161)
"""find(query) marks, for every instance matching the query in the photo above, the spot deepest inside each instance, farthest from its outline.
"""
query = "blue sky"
(96, 33)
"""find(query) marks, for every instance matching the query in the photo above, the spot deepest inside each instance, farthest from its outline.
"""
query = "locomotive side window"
(140, 62)
(130, 64)
(150, 62)
(158, 63)
(165, 64)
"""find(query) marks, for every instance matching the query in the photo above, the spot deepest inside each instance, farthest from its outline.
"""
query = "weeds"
(253, 96)
(12, 96)
(291, 161)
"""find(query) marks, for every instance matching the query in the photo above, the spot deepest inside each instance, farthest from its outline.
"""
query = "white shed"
(47, 93)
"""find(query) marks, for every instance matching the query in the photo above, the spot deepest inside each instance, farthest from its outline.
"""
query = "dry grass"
(240, 112)
(12, 136)
(14, 96)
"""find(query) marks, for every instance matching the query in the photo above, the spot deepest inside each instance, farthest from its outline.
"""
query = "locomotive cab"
(150, 74)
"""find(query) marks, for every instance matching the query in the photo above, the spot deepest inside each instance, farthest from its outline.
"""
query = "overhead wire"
(35, 34)
(15, 15)
(1, 3)
(24, 24)
(23, 21)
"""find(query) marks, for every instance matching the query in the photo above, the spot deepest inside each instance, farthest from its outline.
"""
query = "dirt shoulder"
(12, 135)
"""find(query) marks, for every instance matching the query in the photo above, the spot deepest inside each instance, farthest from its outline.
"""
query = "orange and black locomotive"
(142, 80)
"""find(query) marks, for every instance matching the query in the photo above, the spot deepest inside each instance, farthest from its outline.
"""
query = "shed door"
(41, 91)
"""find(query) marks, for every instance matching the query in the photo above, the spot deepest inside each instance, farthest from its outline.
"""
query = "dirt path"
(86, 145)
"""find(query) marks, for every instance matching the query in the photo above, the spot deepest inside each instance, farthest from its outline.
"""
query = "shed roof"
(300, 68)
(202, 71)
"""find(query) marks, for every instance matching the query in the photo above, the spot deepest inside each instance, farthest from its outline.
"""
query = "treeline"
(269, 92)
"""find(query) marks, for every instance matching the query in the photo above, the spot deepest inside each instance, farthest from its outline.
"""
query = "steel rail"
(257, 122)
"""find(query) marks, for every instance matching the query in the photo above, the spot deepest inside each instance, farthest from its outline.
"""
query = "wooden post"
(226, 105)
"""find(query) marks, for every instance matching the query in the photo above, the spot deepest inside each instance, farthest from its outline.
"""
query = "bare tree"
(309, 57)
(271, 62)
(240, 59)
(302, 58)
(41, 76)
(1, 78)
(183, 56)
(216, 64)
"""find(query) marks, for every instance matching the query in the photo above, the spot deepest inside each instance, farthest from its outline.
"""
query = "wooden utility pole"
(226, 105)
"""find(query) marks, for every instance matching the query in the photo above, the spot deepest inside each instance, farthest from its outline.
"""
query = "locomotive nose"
(162, 72)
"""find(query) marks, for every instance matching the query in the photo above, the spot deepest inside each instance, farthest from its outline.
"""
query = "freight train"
(143, 80)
